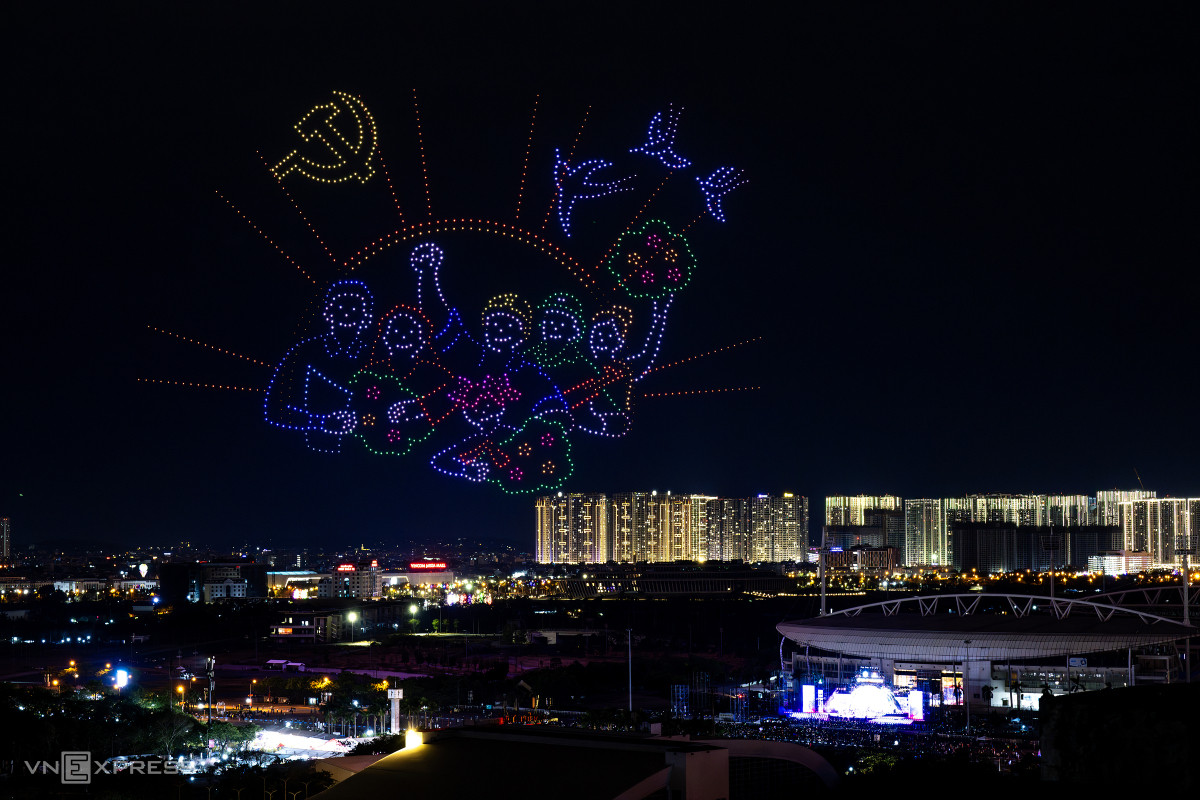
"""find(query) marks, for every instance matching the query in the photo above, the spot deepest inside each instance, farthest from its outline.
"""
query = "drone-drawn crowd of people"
(500, 399)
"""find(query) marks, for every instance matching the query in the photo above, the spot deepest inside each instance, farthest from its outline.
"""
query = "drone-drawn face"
(348, 308)
(557, 326)
(403, 335)
(605, 338)
(503, 331)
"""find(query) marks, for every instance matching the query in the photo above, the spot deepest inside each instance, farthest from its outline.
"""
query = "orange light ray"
(528, 148)
(201, 385)
(702, 391)
(268, 239)
(209, 346)
(705, 355)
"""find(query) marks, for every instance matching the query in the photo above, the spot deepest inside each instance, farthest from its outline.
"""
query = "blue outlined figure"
(602, 405)
(502, 395)
(721, 182)
(660, 140)
(310, 390)
(575, 184)
(401, 396)
(451, 345)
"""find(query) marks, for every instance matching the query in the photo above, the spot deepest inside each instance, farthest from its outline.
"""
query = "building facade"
(1161, 527)
(573, 528)
(363, 580)
(654, 527)
(925, 532)
(846, 510)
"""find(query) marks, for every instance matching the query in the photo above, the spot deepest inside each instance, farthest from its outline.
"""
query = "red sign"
(415, 565)
(345, 568)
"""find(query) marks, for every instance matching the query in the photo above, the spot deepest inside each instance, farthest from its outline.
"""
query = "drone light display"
(495, 392)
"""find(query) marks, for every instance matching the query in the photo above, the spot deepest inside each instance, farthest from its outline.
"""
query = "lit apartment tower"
(1066, 510)
(843, 510)
(778, 527)
(636, 528)
(573, 528)
(925, 532)
(648, 532)
(675, 528)
(1108, 504)
(620, 525)
(1161, 526)
(588, 521)
(728, 529)
(551, 529)
(794, 514)
(699, 534)
(5, 543)
(762, 528)
(1013, 509)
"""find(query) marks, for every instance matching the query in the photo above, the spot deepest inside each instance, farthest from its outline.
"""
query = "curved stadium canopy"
(882, 630)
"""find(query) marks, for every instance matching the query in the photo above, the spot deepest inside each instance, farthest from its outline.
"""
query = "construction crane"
(1139, 477)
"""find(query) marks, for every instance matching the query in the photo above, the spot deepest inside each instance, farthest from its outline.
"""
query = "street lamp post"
(352, 617)
(966, 685)
(629, 633)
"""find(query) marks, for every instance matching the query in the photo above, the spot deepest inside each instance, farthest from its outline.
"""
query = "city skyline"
(1035, 531)
(954, 261)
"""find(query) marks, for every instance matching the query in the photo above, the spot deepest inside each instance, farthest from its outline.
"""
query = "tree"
(169, 729)
(226, 734)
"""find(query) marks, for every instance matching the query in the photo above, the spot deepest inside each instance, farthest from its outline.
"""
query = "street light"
(179, 689)
(966, 686)
(353, 618)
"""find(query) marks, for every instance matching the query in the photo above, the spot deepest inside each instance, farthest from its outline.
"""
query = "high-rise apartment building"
(677, 542)
(573, 528)
(636, 525)
(891, 522)
(728, 529)
(1013, 509)
(1161, 526)
(1067, 509)
(778, 527)
(700, 536)
(996, 547)
(5, 543)
(1108, 504)
(621, 525)
(662, 527)
(925, 532)
(844, 510)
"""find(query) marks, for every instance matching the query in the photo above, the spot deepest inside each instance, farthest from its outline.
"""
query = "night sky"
(968, 244)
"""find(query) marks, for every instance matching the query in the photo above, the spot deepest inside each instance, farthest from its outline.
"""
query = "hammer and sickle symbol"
(346, 129)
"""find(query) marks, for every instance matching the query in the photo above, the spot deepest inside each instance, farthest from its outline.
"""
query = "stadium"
(988, 651)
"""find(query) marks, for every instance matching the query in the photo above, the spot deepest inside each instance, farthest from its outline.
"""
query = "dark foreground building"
(1140, 739)
(544, 761)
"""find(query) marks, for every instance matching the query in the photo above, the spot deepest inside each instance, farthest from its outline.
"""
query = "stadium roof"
(960, 633)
